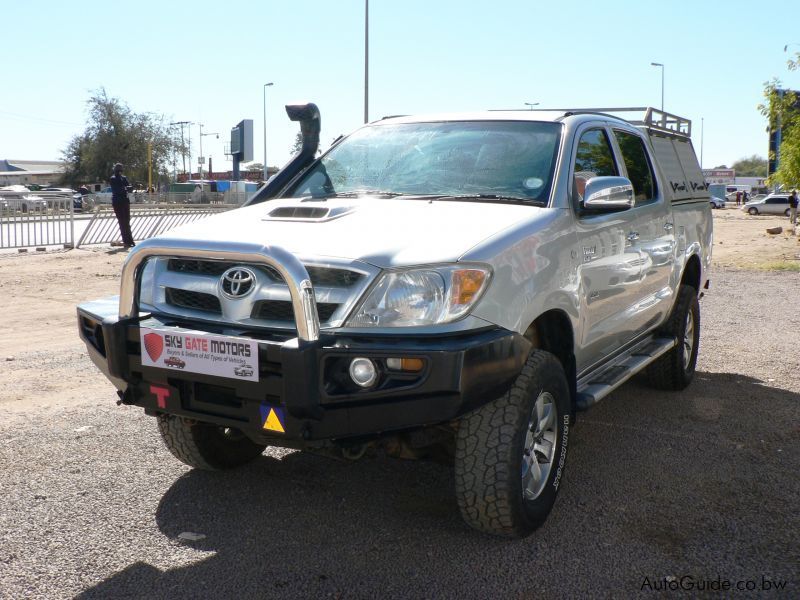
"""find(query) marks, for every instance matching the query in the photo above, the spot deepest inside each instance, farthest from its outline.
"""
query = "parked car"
(19, 197)
(57, 197)
(104, 197)
(27, 203)
(717, 202)
(774, 204)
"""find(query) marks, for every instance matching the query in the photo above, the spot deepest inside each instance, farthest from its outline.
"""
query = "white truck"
(463, 280)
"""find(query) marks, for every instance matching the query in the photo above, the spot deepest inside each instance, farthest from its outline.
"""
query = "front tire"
(206, 446)
(753, 211)
(510, 453)
(675, 369)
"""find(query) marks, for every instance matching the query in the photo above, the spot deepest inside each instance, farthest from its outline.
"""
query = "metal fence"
(197, 197)
(147, 220)
(26, 222)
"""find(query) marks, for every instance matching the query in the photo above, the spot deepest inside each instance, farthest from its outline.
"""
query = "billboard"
(719, 175)
(242, 141)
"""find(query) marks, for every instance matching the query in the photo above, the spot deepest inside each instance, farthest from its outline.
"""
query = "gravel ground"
(702, 484)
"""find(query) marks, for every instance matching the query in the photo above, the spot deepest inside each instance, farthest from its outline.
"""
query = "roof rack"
(654, 120)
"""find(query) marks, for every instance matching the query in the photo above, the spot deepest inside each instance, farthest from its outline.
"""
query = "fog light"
(363, 372)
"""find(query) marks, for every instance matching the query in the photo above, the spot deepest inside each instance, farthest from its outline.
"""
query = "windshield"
(456, 158)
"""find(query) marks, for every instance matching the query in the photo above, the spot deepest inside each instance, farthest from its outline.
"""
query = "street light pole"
(366, 61)
(202, 158)
(702, 128)
(266, 85)
(655, 64)
(531, 104)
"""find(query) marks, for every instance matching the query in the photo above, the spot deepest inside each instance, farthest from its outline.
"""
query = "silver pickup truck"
(464, 282)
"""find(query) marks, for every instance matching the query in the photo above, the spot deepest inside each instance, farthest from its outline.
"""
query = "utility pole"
(183, 145)
(366, 61)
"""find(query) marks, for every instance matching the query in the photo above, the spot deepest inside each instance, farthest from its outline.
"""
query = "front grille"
(213, 267)
(324, 277)
(193, 300)
(281, 310)
(320, 276)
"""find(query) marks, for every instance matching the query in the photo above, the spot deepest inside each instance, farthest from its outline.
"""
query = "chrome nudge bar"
(294, 273)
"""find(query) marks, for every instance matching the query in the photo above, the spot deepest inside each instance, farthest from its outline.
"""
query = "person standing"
(793, 201)
(122, 206)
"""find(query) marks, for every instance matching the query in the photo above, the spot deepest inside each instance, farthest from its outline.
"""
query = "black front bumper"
(304, 385)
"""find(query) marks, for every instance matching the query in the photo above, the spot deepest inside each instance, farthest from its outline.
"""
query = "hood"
(382, 232)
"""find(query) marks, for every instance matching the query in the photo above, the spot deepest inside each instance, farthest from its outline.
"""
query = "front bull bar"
(304, 303)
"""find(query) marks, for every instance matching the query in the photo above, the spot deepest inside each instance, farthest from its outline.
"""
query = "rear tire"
(206, 446)
(675, 369)
(786, 213)
(510, 453)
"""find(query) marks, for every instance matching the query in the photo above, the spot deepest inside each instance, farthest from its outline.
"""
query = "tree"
(782, 108)
(751, 166)
(298, 143)
(114, 133)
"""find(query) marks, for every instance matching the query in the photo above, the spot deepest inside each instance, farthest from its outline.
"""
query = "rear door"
(651, 230)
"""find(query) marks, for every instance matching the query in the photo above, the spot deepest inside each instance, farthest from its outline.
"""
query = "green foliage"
(114, 133)
(783, 107)
(751, 166)
(298, 143)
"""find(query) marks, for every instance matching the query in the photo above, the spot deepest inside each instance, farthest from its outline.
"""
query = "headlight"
(422, 297)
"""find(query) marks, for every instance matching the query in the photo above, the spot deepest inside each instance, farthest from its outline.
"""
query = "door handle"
(633, 235)
(668, 226)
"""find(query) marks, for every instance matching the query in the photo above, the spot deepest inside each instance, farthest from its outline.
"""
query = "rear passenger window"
(593, 159)
(637, 164)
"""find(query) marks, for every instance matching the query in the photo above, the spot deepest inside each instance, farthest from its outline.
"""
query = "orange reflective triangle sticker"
(273, 422)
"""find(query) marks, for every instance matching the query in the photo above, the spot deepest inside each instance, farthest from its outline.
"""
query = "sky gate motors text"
(204, 345)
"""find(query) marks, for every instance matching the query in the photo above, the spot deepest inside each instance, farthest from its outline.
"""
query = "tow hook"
(125, 397)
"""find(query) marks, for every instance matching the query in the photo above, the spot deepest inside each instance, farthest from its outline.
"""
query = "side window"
(593, 159)
(637, 164)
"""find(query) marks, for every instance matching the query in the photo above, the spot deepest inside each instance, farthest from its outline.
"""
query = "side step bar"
(594, 387)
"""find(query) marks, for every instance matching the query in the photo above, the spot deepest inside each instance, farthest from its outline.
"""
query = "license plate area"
(182, 350)
(213, 400)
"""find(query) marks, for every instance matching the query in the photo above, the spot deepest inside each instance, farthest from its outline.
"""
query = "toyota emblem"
(237, 282)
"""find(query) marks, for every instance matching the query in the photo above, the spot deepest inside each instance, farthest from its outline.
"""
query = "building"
(25, 172)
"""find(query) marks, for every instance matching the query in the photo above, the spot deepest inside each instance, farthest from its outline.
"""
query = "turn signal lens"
(405, 364)
(466, 285)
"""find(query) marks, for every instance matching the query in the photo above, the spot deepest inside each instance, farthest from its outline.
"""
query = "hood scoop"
(307, 213)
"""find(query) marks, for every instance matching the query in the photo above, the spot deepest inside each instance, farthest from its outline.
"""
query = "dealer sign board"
(200, 352)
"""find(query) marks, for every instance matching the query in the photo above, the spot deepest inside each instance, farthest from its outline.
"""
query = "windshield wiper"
(496, 198)
(355, 194)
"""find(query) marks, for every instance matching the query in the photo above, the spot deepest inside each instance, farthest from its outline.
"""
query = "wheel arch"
(552, 332)
(692, 272)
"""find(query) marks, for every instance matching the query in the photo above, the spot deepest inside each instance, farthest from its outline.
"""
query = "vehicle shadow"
(304, 525)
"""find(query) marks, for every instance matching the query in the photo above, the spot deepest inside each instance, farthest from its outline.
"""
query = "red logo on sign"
(154, 344)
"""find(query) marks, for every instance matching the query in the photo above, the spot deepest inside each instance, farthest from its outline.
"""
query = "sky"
(207, 62)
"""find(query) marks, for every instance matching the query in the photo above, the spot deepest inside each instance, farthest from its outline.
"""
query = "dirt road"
(660, 487)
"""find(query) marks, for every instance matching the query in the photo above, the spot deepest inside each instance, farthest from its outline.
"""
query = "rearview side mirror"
(608, 194)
